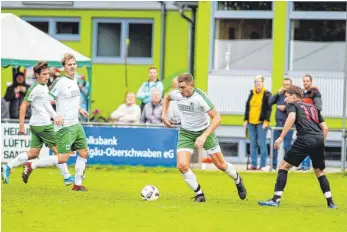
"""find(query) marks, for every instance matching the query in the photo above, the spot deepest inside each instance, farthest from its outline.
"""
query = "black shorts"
(307, 146)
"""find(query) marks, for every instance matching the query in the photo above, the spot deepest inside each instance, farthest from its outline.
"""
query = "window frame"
(52, 26)
(306, 15)
(124, 34)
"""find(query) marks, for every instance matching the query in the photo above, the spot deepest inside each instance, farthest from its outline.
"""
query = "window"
(110, 37)
(317, 45)
(237, 5)
(59, 28)
(243, 44)
(43, 26)
(320, 6)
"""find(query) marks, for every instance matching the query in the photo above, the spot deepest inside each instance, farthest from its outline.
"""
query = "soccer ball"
(150, 193)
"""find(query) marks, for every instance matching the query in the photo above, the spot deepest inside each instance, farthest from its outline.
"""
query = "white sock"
(64, 170)
(20, 159)
(190, 179)
(232, 173)
(45, 162)
(79, 170)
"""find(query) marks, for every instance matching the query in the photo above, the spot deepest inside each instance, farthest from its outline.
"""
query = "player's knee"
(221, 165)
(83, 153)
(318, 172)
(63, 158)
(183, 167)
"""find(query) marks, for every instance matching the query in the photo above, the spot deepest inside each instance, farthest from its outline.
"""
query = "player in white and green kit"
(197, 131)
(41, 127)
(70, 135)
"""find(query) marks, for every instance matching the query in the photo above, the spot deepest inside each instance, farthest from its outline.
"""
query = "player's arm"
(216, 120)
(288, 124)
(323, 125)
(22, 112)
(166, 103)
(317, 100)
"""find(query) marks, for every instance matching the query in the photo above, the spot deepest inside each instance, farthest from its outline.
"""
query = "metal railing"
(343, 158)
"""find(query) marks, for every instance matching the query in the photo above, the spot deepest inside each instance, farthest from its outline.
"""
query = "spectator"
(173, 113)
(84, 89)
(15, 95)
(128, 113)
(54, 73)
(5, 113)
(152, 110)
(144, 93)
(256, 121)
(281, 116)
(311, 96)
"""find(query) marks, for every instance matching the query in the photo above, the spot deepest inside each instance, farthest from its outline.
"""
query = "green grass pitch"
(113, 203)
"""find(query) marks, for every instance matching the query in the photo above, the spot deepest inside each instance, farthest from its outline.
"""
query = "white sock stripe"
(185, 149)
(279, 193)
(328, 194)
(214, 150)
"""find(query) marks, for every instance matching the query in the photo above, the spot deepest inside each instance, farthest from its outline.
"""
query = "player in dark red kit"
(312, 132)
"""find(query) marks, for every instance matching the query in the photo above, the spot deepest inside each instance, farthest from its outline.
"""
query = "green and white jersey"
(37, 95)
(67, 95)
(193, 110)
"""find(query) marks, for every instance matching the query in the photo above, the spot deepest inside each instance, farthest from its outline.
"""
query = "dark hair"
(288, 79)
(185, 77)
(18, 74)
(296, 90)
(309, 76)
(41, 65)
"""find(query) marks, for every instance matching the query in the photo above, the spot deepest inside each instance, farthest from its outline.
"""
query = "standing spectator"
(54, 73)
(152, 110)
(128, 113)
(5, 113)
(144, 92)
(281, 117)
(15, 95)
(173, 113)
(256, 121)
(314, 97)
(84, 89)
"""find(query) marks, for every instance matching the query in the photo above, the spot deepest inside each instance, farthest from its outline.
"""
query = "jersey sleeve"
(206, 104)
(290, 108)
(30, 95)
(174, 94)
(54, 89)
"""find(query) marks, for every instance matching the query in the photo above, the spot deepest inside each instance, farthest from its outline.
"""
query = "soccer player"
(312, 132)
(41, 127)
(197, 131)
(70, 135)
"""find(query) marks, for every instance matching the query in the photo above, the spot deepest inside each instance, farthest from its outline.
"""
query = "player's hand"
(281, 107)
(265, 125)
(58, 120)
(21, 129)
(52, 102)
(278, 142)
(166, 121)
(84, 113)
(245, 124)
(200, 141)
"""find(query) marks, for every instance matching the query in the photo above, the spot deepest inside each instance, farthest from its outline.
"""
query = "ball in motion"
(150, 193)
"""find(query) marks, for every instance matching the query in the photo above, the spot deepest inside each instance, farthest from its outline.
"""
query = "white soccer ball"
(150, 193)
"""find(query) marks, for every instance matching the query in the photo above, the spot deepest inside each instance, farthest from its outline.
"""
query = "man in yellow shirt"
(256, 121)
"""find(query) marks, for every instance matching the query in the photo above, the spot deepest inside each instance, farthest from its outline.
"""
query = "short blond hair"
(259, 78)
(67, 57)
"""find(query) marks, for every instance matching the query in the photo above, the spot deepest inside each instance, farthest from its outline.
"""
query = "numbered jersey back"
(307, 119)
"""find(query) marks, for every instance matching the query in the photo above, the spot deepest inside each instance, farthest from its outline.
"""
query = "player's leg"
(63, 138)
(35, 146)
(253, 145)
(185, 149)
(80, 144)
(318, 163)
(261, 140)
(295, 155)
(213, 149)
(62, 166)
(276, 134)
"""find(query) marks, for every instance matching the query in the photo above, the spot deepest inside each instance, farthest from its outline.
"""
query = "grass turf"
(113, 203)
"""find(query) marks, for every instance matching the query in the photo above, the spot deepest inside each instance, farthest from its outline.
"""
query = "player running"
(312, 132)
(70, 135)
(41, 127)
(197, 131)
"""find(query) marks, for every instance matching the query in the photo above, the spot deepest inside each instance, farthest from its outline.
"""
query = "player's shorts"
(71, 138)
(42, 135)
(186, 140)
(307, 146)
